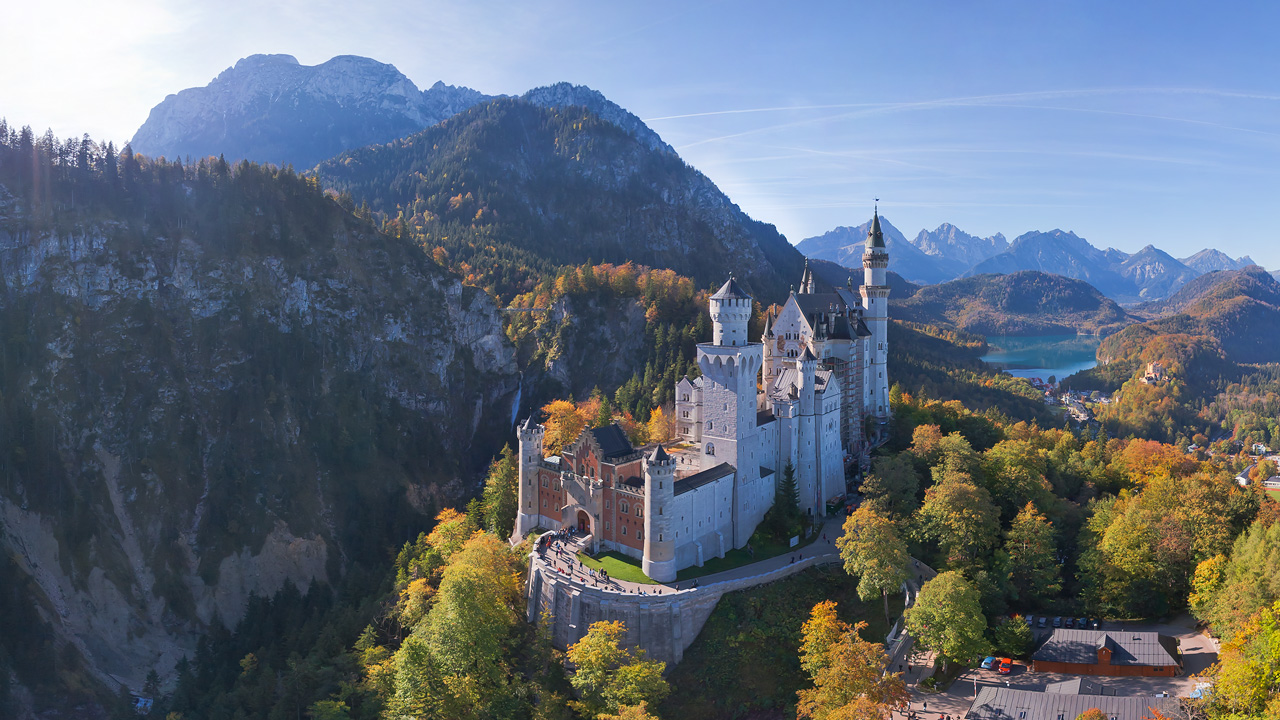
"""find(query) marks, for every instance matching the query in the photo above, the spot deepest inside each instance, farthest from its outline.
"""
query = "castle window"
(607, 525)
(544, 482)
(623, 506)
(659, 537)
(711, 449)
(624, 529)
(710, 424)
(606, 504)
(639, 511)
(544, 503)
(639, 534)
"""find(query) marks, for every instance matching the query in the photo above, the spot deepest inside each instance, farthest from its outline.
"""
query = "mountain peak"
(564, 94)
(262, 60)
(1209, 259)
(270, 108)
(959, 247)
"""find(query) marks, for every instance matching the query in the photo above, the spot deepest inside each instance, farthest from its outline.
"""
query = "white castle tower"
(659, 541)
(730, 366)
(530, 439)
(807, 471)
(875, 303)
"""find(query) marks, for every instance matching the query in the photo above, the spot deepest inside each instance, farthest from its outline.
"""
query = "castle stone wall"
(664, 625)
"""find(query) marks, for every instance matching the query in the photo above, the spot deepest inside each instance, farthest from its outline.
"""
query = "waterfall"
(515, 403)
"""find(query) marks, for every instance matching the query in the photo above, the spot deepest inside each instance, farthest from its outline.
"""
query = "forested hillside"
(1021, 303)
(214, 382)
(510, 190)
(1217, 341)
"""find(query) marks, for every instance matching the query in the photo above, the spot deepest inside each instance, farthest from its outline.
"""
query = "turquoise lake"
(1040, 357)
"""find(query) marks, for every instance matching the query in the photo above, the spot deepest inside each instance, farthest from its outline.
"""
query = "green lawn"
(619, 567)
(1275, 495)
(738, 558)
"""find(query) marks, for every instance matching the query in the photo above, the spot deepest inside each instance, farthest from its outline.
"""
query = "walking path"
(561, 556)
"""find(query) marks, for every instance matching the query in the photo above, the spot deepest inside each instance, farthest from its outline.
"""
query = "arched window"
(623, 506)
(711, 449)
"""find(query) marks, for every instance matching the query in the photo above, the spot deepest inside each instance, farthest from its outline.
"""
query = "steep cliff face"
(228, 385)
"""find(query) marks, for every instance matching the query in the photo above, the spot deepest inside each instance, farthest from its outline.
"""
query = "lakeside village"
(654, 536)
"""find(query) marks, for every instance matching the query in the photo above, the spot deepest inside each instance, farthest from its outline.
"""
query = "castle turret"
(767, 339)
(659, 494)
(530, 440)
(807, 368)
(730, 311)
(807, 435)
(730, 366)
(875, 302)
(807, 285)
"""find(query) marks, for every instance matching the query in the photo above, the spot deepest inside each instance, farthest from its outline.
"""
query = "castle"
(812, 394)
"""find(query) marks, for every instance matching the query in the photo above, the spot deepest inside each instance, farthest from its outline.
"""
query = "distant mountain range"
(269, 108)
(949, 253)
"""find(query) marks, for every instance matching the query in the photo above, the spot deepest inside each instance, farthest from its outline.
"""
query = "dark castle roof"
(731, 290)
(612, 441)
(875, 238)
(697, 480)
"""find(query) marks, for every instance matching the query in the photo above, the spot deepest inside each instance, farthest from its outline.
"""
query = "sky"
(1128, 123)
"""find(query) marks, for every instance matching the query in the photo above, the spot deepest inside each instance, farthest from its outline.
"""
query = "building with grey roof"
(1002, 703)
(1108, 652)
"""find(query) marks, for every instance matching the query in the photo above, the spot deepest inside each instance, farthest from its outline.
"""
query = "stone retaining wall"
(663, 625)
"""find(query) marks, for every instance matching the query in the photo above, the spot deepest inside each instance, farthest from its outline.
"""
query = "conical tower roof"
(731, 290)
(768, 326)
(659, 455)
(875, 238)
(807, 356)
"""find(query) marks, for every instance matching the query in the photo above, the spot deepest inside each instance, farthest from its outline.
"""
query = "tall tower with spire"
(730, 366)
(530, 440)
(875, 303)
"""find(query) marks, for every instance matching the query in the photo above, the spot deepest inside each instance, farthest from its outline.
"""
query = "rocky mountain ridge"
(844, 245)
(951, 243)
(270, 108)
(948, 253)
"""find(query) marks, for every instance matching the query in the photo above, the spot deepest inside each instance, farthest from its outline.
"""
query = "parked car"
(990, 662)
(1031, 620)
(1057, 622)
(1043, 621)
(1071, 622)
(1006, 666)
(1082, 623)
